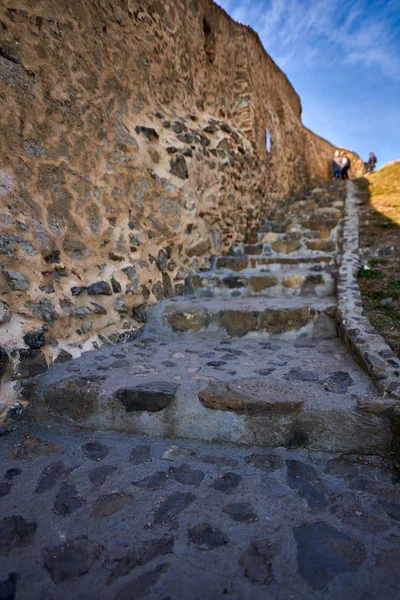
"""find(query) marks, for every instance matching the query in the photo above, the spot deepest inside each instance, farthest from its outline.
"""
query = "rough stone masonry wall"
(132, 148)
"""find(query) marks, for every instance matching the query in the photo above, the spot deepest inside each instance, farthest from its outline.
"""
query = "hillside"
(380, 243)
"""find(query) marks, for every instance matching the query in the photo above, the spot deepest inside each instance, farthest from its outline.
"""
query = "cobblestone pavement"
(112, 516)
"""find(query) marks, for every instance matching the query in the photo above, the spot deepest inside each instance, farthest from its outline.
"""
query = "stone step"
(316, 262)
(245, 392)
(289, 318)
(301, 247)
(293, 282)
(314, 228)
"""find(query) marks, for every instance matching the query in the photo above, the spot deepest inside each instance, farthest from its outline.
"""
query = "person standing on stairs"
(345, 166)
(337, 165)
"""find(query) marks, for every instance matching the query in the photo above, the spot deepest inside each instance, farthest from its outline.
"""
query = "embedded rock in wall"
(133, 147)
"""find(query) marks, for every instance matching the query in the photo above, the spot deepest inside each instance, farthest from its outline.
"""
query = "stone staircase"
(283, 285)
(250, 355)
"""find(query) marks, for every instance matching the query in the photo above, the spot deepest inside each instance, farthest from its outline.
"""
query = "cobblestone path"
(111, 516)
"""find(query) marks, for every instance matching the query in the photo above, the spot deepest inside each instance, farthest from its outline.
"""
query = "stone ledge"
(251, 396)
(369, 347)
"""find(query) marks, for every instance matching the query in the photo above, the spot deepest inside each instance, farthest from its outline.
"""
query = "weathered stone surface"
(279, 321)
(15, 533)
(178, 167)
(270, 237)
(35, 339)
(8, 587)
(188, 321)
(5, 312)
(99, 475)
(99, 288)
(152, 396)
(238, 323)
(76, 249)
(321, 245)
(324, 552)
(149, 132)
(74, 398)
(49, 477)
(227, 483)
(17, 281)
(142, 584)
(303, 478)
(153, 482)
(205, 537)
(186, 475)
(44, 309)
(5, 489)
(395, 425)
(240, 511)
(145, 554)
(63, 356)
(296, 374)
(139, 313)
(177, 453)
(77, 290)
(294, 281)
(141, 455)
(199, 248)
(3, 360)
(252, 396)
(260, 283)
(265, 462)
(257, 562)
(68, 500)
(282, 247)
(71, 559)
(349, 509)
(235, 263)
(33, 447)
(338, 383)
(111, 503)
(172, 506)
(95, 451)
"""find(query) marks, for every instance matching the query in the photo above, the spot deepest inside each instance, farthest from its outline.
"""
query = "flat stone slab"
(253, 396)
(152, 396)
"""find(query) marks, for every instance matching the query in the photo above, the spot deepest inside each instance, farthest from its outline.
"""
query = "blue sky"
(343, 59)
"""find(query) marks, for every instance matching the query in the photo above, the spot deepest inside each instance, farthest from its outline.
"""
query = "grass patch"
(379, 280)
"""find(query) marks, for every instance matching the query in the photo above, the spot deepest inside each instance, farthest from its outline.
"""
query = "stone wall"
(133, 148)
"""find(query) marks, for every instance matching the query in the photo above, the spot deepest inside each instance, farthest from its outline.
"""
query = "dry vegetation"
(379, 276)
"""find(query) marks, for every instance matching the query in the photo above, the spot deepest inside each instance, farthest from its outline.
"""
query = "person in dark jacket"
(337, 165)
(345, 166)
(371, 164)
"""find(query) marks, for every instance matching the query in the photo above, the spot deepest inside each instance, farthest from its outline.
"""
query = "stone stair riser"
(267, 285)
(286, 323)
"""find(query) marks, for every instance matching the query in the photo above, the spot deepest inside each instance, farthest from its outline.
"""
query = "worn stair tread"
(274, 262)
(254, 396)
(278, 274)
(291, 282)
(263, 250)
(247, 304)
(327, 419)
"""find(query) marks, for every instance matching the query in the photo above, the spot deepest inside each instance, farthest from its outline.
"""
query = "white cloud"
(358, 32)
